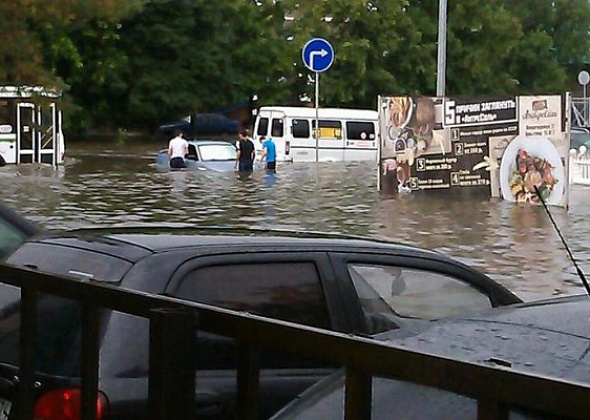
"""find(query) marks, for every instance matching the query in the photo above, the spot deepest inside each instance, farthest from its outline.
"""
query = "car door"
(295, 287)
(396, 291)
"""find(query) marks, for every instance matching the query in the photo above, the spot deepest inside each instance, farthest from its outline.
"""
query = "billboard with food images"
(510, 147)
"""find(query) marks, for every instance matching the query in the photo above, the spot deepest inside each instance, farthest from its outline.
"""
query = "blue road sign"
(318, 55)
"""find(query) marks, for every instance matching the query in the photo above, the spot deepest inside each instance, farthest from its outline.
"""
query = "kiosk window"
(7, 113)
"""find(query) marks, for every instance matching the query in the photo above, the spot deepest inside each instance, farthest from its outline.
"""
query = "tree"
(555, 39)
(188, 56)
(34, 32)
(376, 49)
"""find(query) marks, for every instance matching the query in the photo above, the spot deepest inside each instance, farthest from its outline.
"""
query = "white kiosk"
(30, 126)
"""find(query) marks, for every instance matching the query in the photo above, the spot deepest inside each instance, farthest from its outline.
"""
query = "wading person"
(246, 152)
(177, 150)
(269, 152)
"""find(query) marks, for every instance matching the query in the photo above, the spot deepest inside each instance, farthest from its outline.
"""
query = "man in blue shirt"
(269, 151)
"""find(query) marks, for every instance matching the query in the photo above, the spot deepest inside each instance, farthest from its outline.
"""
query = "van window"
(329, 129)
(262, 127)
(278, 129)
(301, 129)
(360, 130)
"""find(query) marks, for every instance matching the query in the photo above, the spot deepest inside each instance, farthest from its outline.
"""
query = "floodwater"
(516, 245)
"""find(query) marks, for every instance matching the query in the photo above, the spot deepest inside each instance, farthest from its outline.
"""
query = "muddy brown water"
(100, 185)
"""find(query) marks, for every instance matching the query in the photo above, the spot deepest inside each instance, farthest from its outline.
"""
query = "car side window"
(413, 293)
(285, 291)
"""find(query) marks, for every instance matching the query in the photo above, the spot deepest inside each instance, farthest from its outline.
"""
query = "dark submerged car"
(549, 337)
(205, 124)
(357, 286)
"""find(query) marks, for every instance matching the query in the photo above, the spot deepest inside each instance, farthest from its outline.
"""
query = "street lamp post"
(442, 48)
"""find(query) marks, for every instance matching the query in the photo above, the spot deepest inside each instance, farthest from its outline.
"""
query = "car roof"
(137, 240)
(558, 328)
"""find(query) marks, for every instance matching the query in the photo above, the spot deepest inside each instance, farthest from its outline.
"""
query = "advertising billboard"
(510, 147)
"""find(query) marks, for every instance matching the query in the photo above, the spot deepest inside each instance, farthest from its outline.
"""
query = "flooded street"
(515, 244)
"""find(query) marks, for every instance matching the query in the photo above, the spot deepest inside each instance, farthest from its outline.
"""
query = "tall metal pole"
(585, 107)
(317, 106)
(442, 48)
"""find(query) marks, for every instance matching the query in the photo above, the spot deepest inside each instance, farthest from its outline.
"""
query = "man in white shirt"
(177, 150)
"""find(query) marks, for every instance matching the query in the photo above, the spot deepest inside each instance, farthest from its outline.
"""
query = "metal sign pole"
(585, 107)
(584, 79)
(317, 106)
(317, 55)
(442, 49)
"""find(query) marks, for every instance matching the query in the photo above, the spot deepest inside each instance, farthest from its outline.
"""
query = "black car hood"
(550, 337)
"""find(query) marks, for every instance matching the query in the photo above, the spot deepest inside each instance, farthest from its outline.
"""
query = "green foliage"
(138, 63)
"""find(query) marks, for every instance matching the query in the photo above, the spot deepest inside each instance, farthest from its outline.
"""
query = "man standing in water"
(269, 152)
(177, 150)
(246, 152)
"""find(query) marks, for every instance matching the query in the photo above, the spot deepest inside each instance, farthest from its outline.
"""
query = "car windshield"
(209, 152)
(413, 293)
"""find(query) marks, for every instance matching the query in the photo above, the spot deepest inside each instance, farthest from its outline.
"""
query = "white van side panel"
(345, 134)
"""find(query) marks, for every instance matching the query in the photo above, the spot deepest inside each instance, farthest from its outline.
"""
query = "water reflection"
(516, 244)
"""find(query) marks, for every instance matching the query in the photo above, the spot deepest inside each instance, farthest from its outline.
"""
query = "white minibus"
(344, 134)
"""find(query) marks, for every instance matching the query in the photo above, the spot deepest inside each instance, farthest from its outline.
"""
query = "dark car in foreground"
(549, 337)
(356, 286)
(206, 124)
(14, 230)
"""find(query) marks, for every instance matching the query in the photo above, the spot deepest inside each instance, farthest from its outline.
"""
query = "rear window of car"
(71, 262)
(58, 332)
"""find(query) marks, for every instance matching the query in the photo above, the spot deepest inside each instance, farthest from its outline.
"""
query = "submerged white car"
(213, 155)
